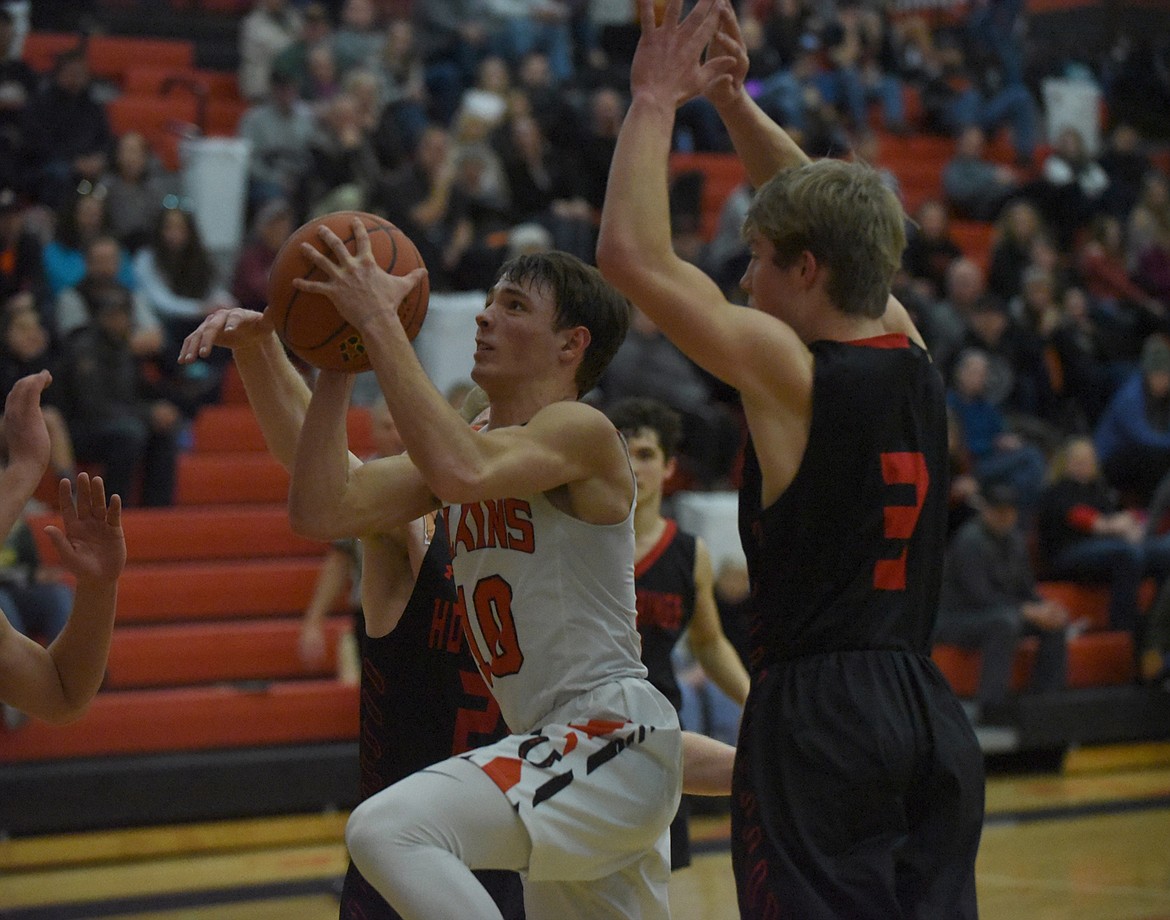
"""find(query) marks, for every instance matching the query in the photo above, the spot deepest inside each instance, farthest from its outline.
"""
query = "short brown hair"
(846, 217)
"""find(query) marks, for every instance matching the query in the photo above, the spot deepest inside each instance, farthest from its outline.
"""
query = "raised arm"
(27, 439)
(58, 683)
(634, 252)
(276, 390)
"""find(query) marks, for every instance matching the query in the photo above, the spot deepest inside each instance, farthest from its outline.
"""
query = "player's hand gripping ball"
(308, 323)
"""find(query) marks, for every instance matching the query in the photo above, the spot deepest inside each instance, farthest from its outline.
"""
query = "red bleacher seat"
(110, 56)
(160, 119)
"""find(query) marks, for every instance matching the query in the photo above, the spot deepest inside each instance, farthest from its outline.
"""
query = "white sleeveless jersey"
(548, 602)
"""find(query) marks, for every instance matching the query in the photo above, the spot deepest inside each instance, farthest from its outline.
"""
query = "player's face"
(770, 288)
(514, 334)
(651, 468)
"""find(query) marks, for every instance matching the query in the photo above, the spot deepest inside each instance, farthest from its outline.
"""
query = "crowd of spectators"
(480, 126)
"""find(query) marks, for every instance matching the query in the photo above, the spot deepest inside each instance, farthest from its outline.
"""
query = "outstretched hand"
(727, 44)
(25, 432)
(356, 284)
(91, 544)
(229, 327)
(670, 63)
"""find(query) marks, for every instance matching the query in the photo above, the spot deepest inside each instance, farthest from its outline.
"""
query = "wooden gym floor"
(1091, 842)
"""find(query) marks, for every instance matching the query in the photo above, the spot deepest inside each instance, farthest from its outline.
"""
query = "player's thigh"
(452, 805)
(638, 892)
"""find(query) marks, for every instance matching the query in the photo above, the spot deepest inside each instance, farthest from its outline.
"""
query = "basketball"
(308, 323)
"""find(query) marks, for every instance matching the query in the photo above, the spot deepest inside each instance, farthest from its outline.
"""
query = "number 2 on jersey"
(491, 602)
(900, 468)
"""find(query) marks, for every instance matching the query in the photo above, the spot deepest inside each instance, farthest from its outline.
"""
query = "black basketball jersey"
(850, 555)
(664, 586)
(422, 701)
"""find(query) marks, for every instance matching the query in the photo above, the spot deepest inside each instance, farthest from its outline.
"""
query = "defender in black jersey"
(858, 788)
(673, 578)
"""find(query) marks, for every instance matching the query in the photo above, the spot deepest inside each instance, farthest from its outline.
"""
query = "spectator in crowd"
(1019, 225)
(358, 39)
(1088, 369)
(177, 278)
(136, 188)
(76, 305)
(1072, 185)
(946, 319)
(998, 454)
(266, 31)
(519, 26)
(542, 188)
(976, 187)
(83, 219)
(26, 348)
(343, 166)
(405, 94)
(930, 249)
(423, 198)
(1018, 381)
(862, 66)
(649, 365)
(66, 134)
(294, 59)
(1126, 165)
(18, 84)
(989, 602)
(1148, 224)
(279, 130)
(454, 34)
(1125, 309)
(21, 254)
(1085, 534)
(116, 415)
(1133, 434)
(272, 225)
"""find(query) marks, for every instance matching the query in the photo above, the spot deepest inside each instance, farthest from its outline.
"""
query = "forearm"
(17, 484)
(764, 147)
(635, 222)
(438, 440)
(332, 580)
(277, 393)
(707, 765)
(722, 664)
(81, 651)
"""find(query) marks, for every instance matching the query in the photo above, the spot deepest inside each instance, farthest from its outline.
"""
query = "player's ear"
(575, 341)
(671, 466)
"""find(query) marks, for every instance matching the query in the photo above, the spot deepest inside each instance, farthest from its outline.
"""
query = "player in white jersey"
(540, 521)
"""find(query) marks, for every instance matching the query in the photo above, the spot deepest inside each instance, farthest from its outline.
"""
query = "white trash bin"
(215, 180)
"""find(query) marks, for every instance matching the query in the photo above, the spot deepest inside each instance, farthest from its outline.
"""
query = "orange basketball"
(308, 323)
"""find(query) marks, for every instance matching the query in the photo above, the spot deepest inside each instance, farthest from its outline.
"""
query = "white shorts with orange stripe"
(596, 787)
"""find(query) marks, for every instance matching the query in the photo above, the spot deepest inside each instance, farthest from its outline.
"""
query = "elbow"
(614, 257)
(457, 484)
(306, 524)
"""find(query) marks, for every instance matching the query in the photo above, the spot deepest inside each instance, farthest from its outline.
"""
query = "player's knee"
(364, 834)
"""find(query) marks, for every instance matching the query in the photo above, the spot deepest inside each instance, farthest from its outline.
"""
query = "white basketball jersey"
(549, 602)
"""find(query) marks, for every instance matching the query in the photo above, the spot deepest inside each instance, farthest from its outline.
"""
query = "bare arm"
(708, 643)
(707, 765)
(744, 348)
(276, 390)
(332, 499)
(333, 579)
(58, 683)
(27, 438)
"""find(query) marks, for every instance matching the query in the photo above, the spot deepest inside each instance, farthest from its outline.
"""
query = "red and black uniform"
(853, 746)
(422, 701)
(664, 587)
